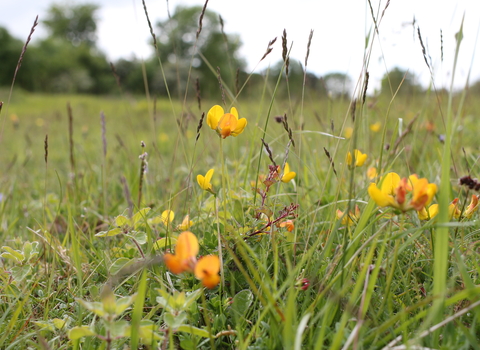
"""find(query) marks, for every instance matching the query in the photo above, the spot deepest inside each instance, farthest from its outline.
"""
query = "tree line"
(69, 60)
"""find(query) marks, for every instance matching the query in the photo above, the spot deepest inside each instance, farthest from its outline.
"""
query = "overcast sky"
(340, 28)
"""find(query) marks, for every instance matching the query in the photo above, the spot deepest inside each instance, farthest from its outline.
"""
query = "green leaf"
(238, 211)
(140, 216)
(59, 323)
(14, 254)
(45, 326)
(191, 298)
(123, 303)
(122, 220)
(27, 249)
(174, 322)
(109, 303)
(194, 330)
(79, 332)
(109, 233)
(94, 307)
(139, 236)
(164, 242)
(241, 303)
(120, 329)
(10, 256)
(20, 272)
(120, 264)
(146, 332)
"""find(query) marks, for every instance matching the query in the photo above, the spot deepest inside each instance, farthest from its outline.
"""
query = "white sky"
(340, 28)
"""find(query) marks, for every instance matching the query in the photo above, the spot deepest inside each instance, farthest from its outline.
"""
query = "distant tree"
(68, 59)
(396, 77)
(475, 88)
(313, 84)
(180, 50)
(338, 84)
(10, 49)
(77, 23)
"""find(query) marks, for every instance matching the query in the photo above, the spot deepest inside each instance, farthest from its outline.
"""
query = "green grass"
(384, 281)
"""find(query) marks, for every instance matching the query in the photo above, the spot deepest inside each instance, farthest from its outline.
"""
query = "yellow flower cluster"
(403, 194)
(453, 210)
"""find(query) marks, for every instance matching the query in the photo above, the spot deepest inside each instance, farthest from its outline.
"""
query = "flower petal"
(372, 173)
(227, 125)
(201, 181)
(287, 177)
(204, 181)
(214, 115)
(428, 213)
(360, 158)
(187, 246)
(208, 175)
(186, 223)
(174, 264)
(389, 183)
(241, 124)
(234, 111)
(167, 216)
(207, 269)
(381, 198)
(211, 281)
(472, 207)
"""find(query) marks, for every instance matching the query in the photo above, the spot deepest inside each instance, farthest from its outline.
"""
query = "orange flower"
(207, 270)
(186, 250)
(185, 260)
(288, 224)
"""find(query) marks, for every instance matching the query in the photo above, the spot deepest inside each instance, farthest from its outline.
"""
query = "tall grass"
(377, 279)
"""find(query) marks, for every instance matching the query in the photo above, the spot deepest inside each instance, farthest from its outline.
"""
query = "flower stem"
(224, 200)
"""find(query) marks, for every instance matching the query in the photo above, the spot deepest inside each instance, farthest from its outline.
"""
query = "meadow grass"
(87, 182)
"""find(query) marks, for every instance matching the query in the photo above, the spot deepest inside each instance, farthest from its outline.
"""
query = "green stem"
(224, 200)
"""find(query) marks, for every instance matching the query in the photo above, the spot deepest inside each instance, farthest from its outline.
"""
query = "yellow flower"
(375, 127)
(287, 174)
(428, 213)
(455, 211)
(372, 173)
(472, 207)
(393, 192)
(186, 223)
(225, 124)
(204, 181)
(167, 216)
(360, 158)
(351, 218)
(348, 132)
